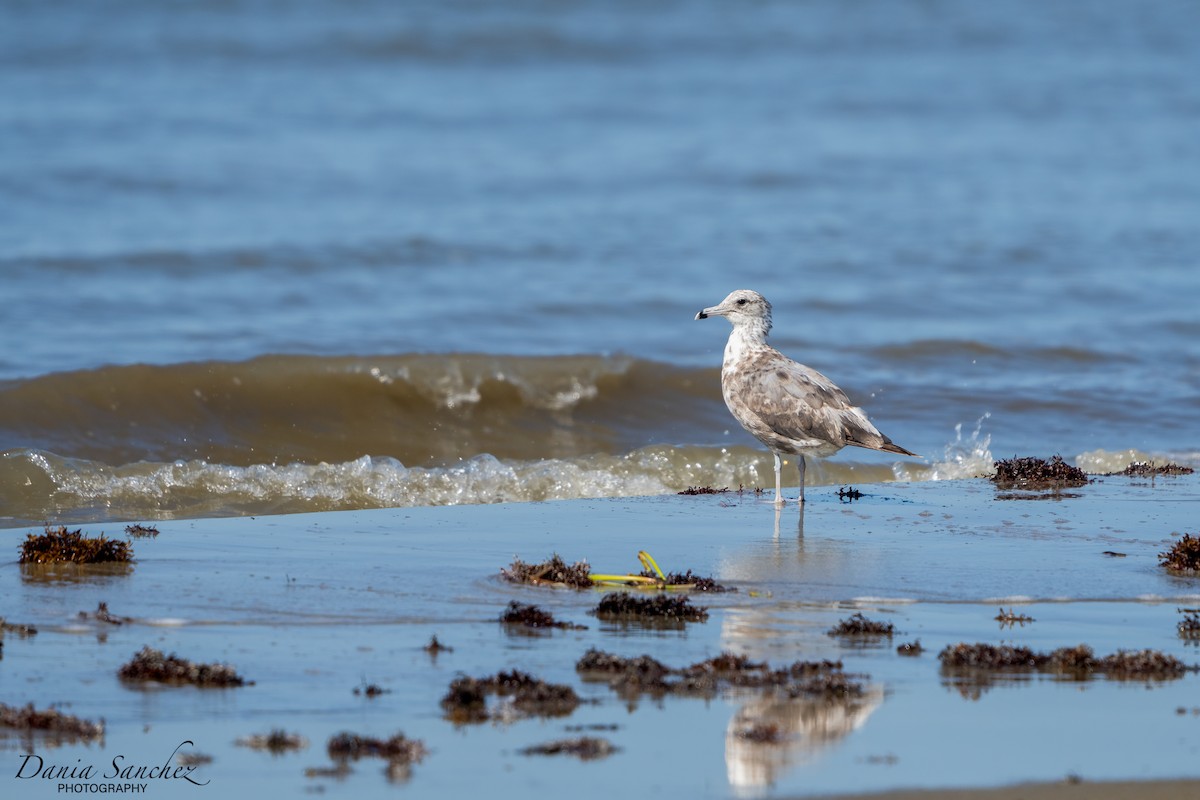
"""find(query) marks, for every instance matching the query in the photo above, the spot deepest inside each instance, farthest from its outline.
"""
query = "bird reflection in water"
(775, 731)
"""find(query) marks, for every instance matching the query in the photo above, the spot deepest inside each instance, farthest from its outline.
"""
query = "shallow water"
(482, 233)
(312, 606)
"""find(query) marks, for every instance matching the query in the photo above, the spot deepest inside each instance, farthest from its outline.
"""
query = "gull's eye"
(741, 301)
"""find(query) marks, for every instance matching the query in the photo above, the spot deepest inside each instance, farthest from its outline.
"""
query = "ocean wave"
(37, 485)
(40, 485)
(421, 409)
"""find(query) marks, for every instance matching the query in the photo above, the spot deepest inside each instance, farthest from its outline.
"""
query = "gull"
(787, 406)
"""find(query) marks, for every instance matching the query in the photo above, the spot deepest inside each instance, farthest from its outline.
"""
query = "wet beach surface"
(310, 608)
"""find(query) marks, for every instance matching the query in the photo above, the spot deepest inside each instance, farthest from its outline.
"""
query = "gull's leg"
(800, 464)
(778, 480)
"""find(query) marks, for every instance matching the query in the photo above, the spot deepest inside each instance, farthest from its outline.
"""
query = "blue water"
(957, 209)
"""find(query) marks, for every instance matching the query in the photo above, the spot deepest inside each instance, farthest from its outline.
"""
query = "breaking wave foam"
(38, 485)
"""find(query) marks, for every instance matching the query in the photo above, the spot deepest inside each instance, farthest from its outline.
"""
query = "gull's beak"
(711, 311)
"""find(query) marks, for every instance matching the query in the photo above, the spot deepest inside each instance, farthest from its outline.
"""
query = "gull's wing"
(796, 402)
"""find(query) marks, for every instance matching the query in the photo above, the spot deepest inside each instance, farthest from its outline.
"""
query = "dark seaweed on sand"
(630, 677)
(585, 748)
(434, 647)
(23, 631)
(1189, 626)
(1184, 556)
(53, 722)
(400, 753)
(141, 531)
(1077, 662)
(102, 614)
(63, 546)
(466, 699)
(531, 616)
(689, 579)
(627, 676)
(859, 626)
(912, 648)
(1037, 474)
(151, 665)
(659, 607)
(1148, 469)
(698, 490)
(554, 572)
(987, 656)
(347, 746)
(1142, 664)
(1011, 617)
(276, 742)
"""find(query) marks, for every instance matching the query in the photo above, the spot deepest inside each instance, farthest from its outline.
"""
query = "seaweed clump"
(629, 677)
(1037, 474)
(1078, 662)
(554, 572)
(149, 664)
(276, 742)
(1189, 626)
(400, 752)
(912, 648)
(1011, 617)
(660, 609)
(687, 580)
(1142, 665)
(102, 614)
(1148, 469)
(141, 531)
(22, 630)
(351, 746)
(63, 546)
(632, 677)
(987, 656)
(62, 727)
(434, 648)
(530, 616)
(699, 490)
(466, 699)
(859, 627)
(585, 748)
(1183, 557)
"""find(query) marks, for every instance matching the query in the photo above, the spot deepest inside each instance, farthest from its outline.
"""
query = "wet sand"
(312, 607)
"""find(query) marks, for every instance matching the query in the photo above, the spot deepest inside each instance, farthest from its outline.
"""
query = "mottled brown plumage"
(787, 406)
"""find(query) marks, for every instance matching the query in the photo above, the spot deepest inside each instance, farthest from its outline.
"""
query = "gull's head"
(741, 307)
